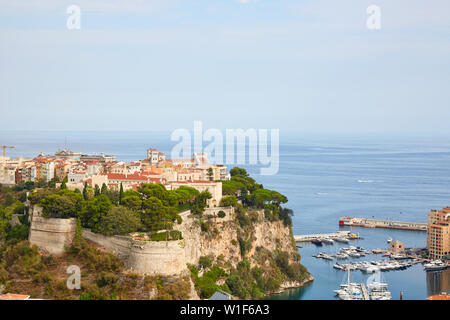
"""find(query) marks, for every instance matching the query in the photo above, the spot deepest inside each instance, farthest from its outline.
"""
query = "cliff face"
(222, 241)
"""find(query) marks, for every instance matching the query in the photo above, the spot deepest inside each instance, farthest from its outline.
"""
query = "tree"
(37, 195)
(52, 183)
(121, 194)
(104, 189)
(154, 214)
(64, 182)
(238, 171)
(61, 205)
(210, 174)
(85, 191)
(232, 187)
(96, 191)
(228, 201)
(132, 202)
(119, 221)
(94, 209)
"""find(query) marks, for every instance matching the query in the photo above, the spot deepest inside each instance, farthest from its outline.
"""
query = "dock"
(376, 223)
(310, 237)
(364, 292)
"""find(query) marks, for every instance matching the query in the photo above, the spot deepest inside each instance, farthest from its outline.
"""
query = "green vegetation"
(167, 235)
(23, 269)
(253, 195)
(118, 221)
(228, 201)
(207, 285)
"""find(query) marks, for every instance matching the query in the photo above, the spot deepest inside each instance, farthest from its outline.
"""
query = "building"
(13, 296)
(397, 246)
(154, 156)
(438, 242)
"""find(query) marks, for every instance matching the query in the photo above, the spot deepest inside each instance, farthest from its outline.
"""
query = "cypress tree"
(85, 195)
(96, 191)
(121, 193)
(104, 189)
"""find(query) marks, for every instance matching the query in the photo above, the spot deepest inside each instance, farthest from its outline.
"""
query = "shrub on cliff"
(228, 201)
(204, 262)
(18, 233)
(118, 221)
(206, 285)
(221, 214)
(171, 235)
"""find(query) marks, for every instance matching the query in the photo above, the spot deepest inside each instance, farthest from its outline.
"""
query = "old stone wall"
(52, 235)
(144, 257)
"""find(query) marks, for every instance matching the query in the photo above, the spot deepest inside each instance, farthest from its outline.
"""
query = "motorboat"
(436, 265)
(389, 240)
(342, 240)
(317, 242)
(328, 240)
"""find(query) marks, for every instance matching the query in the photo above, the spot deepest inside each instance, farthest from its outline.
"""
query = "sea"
(325, 177)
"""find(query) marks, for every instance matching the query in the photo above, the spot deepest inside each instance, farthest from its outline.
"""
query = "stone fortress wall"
(49, 234)
(144, 257)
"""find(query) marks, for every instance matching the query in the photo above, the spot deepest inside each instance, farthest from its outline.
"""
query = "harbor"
(414, 281)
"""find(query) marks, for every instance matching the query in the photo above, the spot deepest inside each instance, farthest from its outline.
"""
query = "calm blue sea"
(324, 177)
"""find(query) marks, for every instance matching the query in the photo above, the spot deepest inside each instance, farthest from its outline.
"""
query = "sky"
(299, 65)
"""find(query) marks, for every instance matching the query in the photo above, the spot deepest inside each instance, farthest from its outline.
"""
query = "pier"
(310, 237)
(376, 223)
(364, 292)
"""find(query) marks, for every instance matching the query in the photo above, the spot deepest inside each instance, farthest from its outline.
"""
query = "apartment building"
(438, 237)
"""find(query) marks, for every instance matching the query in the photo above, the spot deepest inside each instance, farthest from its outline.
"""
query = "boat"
(342, 240)
(317, 242)
(389, 240)
(370, 269)
(328, 240)
(349, 291)
(379, 290)
(436, 265)
(341, 256)
(338, 266)
(327, 256)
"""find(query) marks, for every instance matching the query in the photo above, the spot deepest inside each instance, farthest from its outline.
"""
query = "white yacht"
(350, 291)
(436, 265)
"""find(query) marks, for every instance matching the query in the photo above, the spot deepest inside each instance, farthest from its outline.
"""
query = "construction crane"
(4, 150)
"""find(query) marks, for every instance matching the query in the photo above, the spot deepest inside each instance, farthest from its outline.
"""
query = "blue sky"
(309, 66)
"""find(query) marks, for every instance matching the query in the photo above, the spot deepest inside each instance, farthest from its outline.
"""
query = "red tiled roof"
(12, 296)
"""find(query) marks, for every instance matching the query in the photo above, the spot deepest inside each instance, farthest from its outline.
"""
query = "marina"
(414, 281)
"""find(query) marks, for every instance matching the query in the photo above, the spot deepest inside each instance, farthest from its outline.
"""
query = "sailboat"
(379, 290)
(349, 291)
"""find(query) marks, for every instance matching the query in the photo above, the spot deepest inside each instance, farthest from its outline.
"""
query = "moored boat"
(317, 242)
